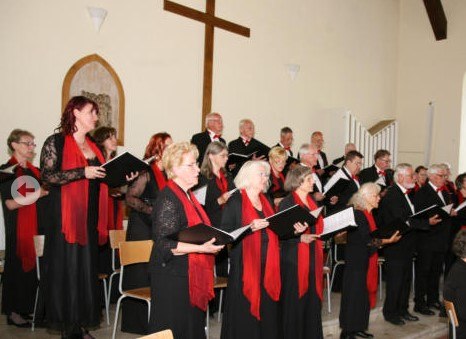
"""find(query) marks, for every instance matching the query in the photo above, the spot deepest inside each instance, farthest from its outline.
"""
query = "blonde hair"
(359, 199)
(278, 152)
(173, 156)
(243, 178)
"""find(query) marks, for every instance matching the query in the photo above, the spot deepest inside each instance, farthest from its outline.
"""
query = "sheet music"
(232, 191)
(236, 233)
(425, 209)
(460, 206)
(333, 180)
(9, 170)
(447, 208)
(200, 194)
(317, 212)
(339, 221)
(148, 160)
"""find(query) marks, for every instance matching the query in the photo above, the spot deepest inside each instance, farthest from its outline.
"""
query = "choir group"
(275, 284)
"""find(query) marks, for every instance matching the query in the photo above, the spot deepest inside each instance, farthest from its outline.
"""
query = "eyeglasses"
(27, 143)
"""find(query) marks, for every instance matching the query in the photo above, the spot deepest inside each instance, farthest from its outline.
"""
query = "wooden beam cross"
(210, 21)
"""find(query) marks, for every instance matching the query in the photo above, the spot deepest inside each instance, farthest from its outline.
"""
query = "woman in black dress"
(277, 161)
(21, 225)
(182, 274)
(455, 283)
(77, 221)
(219, 184)
(140, 197)
(359, 291)
(251, 305)
(302, 263)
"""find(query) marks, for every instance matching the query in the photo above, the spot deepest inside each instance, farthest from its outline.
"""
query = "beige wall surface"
(347, 52)
(430, 71)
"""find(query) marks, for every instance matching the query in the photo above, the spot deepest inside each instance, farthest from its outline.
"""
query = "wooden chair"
(133, 252)
(39, 249)
(115, 236)
(452, 318)
(166, 334)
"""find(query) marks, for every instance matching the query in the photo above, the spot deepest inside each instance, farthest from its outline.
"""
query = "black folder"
(7, 173)
(119, 167)
(339, 187)
(430, 211)
(330, 168)
(201, 233)
(238, 158)
(282, 223)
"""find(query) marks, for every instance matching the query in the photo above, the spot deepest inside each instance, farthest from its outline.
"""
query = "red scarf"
(252, 257)
(159, 177)
(26, 224)
(372, 273)
(221, 182)
(303, 253)
(276, 181)
(112, 223)
(200, 266)
(74, 196)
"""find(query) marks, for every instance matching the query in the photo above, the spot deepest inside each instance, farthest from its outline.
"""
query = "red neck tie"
(408, 191)
(440, 189)
(246, 142)
(355, 177)
(381, 173)
(287, 148)
(217, 136)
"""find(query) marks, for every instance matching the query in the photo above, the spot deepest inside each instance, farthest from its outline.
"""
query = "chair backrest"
(166, 334)
(116, 236)
(450, 308)
(134, 252)
(39, 245)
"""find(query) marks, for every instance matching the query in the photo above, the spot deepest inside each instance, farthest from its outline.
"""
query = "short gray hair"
(401, 169)
(295, 177)
(359, 199)
(435, 168)
(242, 179)
(304, 149)
(243, 122)
(211, 116)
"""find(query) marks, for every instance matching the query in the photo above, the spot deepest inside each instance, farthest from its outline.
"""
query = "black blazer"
(202, 140)
(238, 146)
(346, 194)
(436, 238)
(370, 174)
(393, 210)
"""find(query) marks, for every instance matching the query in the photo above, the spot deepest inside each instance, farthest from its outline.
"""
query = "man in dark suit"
(246, 144)
(393, 213)
(348, 147)
(380, 172)
(432, 244)
(317, 140)
(213, 132)
(286, 141)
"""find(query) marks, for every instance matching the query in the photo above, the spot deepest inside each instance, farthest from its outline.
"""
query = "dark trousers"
(398, 284)
(428, 271)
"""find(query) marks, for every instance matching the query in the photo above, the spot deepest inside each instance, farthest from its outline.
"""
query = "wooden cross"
(210, 21)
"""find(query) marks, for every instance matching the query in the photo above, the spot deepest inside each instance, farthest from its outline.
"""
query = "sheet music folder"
(338, 187)
(282, 223)
(119, 167)
(201, 233)
(338, 222)
(237, 158)
(442, 211)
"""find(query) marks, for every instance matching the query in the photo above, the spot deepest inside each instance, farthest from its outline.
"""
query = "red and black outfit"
(254, 284)
(277, 185)
(302, 278)
(181, 285)
(21, 225)
(76, 224)
(359, 287)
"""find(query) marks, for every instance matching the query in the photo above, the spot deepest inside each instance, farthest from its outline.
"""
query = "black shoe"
(395, 321)
(423, 310)
(437, 305)
(21, 325)
(347, 335)
(364, 334)
(409, 317)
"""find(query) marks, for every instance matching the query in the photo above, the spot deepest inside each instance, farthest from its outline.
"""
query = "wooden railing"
(383, 135)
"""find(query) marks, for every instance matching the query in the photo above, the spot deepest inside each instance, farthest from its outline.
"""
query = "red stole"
(221, 182)
(372, 272)
(26, 224)
(303, 253)
(252, 257)
(74, 196)
(276, 181)
(200, 266)
(159, 177)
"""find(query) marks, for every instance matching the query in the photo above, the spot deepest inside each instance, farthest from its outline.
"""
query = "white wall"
(431, 70)
(347, 51)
